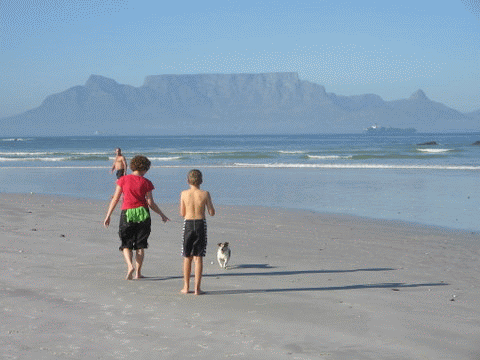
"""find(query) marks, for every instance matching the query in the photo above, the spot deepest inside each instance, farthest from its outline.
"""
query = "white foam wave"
(360, 166)
(92, 153)
(35, 159)
(15, 139)
(202, 152)
(291, 152)
(23, 153)
(328, 157)
(53, 159)
(43, 153)
(434, 151)
(165, 158)
(279, 166)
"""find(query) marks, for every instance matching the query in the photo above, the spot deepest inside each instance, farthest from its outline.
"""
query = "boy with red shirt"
(135, 222)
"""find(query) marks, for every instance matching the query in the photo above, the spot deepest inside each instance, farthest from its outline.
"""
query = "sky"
(389, 48)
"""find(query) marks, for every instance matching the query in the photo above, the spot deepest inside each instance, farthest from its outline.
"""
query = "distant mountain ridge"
(226, 104)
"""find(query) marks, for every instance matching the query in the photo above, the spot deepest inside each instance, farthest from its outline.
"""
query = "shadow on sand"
(393, 286)
(230, 272)
(284, 273)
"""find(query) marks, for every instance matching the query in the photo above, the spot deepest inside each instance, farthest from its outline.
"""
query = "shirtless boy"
(119, 164)
(192, 208)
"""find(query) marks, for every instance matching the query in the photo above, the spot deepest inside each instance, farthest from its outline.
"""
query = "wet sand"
(300, 285)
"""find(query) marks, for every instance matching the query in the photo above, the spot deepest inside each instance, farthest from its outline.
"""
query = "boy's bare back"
(193, 203)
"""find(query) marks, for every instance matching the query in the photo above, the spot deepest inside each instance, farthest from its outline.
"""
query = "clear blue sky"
(390, 48)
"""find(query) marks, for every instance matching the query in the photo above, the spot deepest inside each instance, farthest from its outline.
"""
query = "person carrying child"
(192, 208)
(135, 221)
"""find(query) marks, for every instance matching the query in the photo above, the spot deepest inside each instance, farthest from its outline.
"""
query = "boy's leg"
(198, 274)
(139, 256)
(127, 254)
(187, 268)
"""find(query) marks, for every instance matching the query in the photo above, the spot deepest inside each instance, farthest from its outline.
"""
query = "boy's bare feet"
(139, 277)
(185, 291)
(199, 292)
(130, 274)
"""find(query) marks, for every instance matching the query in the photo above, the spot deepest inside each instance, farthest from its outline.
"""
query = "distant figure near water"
(119, 164)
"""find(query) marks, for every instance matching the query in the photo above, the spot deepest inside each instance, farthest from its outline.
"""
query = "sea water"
(384, 177)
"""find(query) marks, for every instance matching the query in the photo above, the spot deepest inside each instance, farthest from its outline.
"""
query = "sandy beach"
(300, 285)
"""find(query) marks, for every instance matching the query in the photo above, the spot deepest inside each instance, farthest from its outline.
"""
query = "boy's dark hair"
(194, 177)
(140, 163)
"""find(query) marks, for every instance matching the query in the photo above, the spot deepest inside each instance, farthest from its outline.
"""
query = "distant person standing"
(119, 164)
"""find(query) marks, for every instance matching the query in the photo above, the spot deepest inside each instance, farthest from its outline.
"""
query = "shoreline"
(346, 174)
(402, 196)
(301, 285)
(346, 216)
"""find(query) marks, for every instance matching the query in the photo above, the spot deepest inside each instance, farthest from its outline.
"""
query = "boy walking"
(192, 208)
(135, 222)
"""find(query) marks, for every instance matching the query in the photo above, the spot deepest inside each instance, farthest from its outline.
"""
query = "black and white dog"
(223, 254)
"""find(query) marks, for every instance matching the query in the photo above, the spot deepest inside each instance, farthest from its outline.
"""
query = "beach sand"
(300, 285)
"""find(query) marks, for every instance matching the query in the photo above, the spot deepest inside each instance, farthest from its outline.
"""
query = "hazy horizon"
(389, 49)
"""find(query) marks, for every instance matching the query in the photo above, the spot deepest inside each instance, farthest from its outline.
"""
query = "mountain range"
(267, 103)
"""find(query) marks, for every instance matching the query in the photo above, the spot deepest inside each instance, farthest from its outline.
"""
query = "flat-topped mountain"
(228, 104)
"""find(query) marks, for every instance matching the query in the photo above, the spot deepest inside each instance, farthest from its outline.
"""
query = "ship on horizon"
(375, 129)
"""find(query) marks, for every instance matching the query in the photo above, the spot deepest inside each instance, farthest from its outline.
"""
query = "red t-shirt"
(134, 189)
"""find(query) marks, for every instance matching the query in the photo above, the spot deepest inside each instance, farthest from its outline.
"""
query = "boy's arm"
(209, 204)
(183, 209)
(113, 204)
(152, 205)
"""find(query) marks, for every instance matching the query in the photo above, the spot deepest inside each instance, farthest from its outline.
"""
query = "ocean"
(374, 176)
